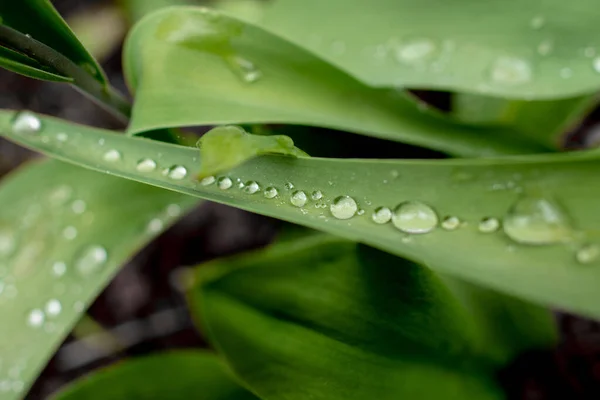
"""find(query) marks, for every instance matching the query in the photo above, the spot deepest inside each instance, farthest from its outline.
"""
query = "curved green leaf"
(510, 48)
(344, 321)
(226, 147)
(177, 375)
(39, 20)
(250, 76)
(21, 64)
(64, 233)
(564, 275)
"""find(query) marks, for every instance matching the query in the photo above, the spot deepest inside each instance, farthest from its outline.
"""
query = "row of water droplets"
(531, 220)
(422, 53)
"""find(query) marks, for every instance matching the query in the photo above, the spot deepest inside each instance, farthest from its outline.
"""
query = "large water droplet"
(224, 183)
(587, 254)
(537, 221)
(53, 307)
(177, 172)
(35, 318)
(209, 180)
(91, 260)
(343, 207)
(450, 223)
(146, 165)
(382, 215)
(415, 50)
(298, 198)
(414, 217)
(511, 71)
(26, 122)
(489, 225)
(270, 192)
(251, 187)
(112, 156)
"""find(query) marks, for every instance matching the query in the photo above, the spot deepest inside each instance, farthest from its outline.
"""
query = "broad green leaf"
(543, 120)
(21, 64)
(177, 375)
(64, 233)
(481, 195)
(509, 48)
(337, 320)
(251, 76)
(226, 147)
(39, 20)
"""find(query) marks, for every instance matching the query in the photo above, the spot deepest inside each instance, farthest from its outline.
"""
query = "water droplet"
(360, 212)
(35, 318)
(70, 232)
(545, 47)
(288, 186)
(177, 172)
(91, 260)
(415, 50)
(59, 268)
(146, 165)
(537, 221)
(155, 225)
(78, 206)
(26, 122)
(489, 225)
(113, 156)
(224, 183)
(209, 180)
(382, 215)
(298, 198)
(245, 69)
(53, 307)
(62, 137)
(537, 22)
(511, 71)
(251, 187)
(316, 195)
(596, 64)
(450, 223)
(587, 254)
(343, 207)
(414, 217)
(60, 195)
(270, 192)
(173, 210)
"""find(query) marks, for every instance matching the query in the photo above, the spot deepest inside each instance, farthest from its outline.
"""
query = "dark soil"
(144, 305)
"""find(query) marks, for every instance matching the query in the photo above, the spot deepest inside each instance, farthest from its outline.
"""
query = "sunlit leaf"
(250, 76)
(513, 48)
(547, 251)
(179, 375)
(64, 233)
(337, 320)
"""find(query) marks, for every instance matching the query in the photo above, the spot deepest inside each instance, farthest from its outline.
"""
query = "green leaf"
(514, 48)
(251, 76)
(21, 64)
(136, 9)
(177, 375)
(225, 147)
(482, 194)
(64, 233)
(343, 321)
(544, 120)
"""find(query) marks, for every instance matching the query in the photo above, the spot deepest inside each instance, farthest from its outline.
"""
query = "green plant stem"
(104, 95)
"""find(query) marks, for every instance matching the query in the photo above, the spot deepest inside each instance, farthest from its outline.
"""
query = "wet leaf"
(64, 233)
(516, 48)
(343, 321)
(226, 147)
(461, 204)
(177, 375)
(251, 76)
(21, 64)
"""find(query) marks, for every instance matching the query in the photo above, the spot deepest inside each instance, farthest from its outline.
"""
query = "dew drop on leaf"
(91, 260)
(511, 71)
(382, 215)
(59, 268)
(450, 223)
(316, 195)
(224, 183)
(537, 221)
(414, 217)
(488, 225)
(343, 207)
(112, 156)
(251, 187)
(26, 123)
(35, 318)
(415, 50)
(299, 198)
(53, 307)
(78, 206)
(209, 180)
(146, 165)
(288, 186)
(245, 69)
(155, 226)
(177, 172)
(270, 192)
